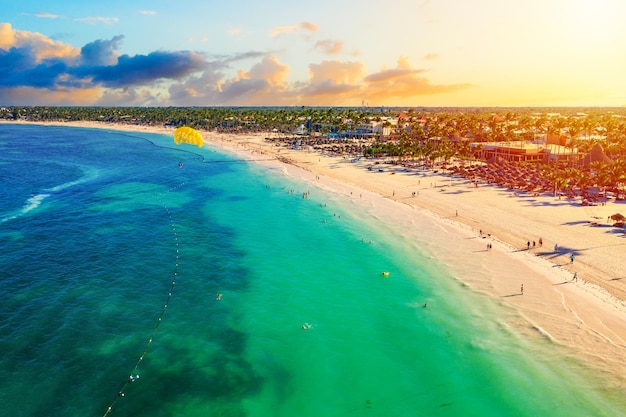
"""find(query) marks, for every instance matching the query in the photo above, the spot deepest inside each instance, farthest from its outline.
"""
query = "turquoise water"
(113, 256)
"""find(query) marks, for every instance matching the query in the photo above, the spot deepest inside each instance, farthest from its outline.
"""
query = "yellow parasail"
(185, 134)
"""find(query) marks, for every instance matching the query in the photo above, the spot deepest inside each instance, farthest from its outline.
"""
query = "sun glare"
(592, 20)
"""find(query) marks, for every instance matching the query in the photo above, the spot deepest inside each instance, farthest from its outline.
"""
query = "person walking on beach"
(521, 290)
(575, 276)
(571, 258)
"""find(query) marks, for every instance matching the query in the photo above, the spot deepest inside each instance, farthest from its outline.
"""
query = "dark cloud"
(243, 56)
(19, 68)
(13, 61)
(143, 69)
(243, 87)
(47, 75)
(98, 64)
(101, 52)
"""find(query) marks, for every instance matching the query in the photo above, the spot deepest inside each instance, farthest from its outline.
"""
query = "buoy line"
(133, 376)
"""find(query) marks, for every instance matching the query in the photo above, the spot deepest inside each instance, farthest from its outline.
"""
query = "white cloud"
(45, 15)
(98, 19)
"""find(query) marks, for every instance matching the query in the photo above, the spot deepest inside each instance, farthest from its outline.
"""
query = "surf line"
(133, 375)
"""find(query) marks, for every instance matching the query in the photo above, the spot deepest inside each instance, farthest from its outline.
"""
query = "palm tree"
(574, 129)
(557, 176)
(617, 178)
(602, 174)
(582, 179)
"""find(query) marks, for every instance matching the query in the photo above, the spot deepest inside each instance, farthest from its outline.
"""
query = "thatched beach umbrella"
(618, 217)
(595, 155)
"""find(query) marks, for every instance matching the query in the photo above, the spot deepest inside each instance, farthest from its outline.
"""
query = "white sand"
(587, 317)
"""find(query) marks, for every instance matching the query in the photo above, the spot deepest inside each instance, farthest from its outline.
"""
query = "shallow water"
(100, 227)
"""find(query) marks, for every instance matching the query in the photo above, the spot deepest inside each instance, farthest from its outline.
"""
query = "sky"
(414, 53)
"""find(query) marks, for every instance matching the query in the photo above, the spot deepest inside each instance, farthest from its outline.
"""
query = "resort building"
(521, 151)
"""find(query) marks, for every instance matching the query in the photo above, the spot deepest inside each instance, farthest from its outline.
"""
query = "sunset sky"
(315, 53)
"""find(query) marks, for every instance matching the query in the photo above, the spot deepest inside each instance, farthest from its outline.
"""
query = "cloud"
(40, 71)
(329, 47)
(44, 15)
(336, 72)
(430, 57)
(130, 97)
(147, 12)
(225, 61)
(264, 83)
(20, 69)
(333, 82)
(32, 61)
(403, 82)
(308, 27)
(143, 69)
(326, 93)
(101, 52)
(40, 46)
(270, 70)
(28, 96)
(99, 19)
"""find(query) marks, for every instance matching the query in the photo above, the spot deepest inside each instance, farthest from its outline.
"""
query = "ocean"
(115, 246)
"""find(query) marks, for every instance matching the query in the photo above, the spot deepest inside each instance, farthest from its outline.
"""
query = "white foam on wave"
(31, 204)
(36, 200)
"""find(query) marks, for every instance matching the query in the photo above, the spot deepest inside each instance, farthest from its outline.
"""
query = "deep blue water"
(112, 257)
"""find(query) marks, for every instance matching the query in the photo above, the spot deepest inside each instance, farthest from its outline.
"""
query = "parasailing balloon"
(185, 134)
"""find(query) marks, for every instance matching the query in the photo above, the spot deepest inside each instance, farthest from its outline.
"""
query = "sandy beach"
(587, 315)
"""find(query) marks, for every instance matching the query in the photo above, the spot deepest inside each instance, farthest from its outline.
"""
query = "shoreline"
(587, 316)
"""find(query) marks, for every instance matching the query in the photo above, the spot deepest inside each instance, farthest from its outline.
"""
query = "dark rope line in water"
(133, 376)
(202, 158)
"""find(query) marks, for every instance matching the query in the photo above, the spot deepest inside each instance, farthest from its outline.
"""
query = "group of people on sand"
(534, 243)
(480, 233)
